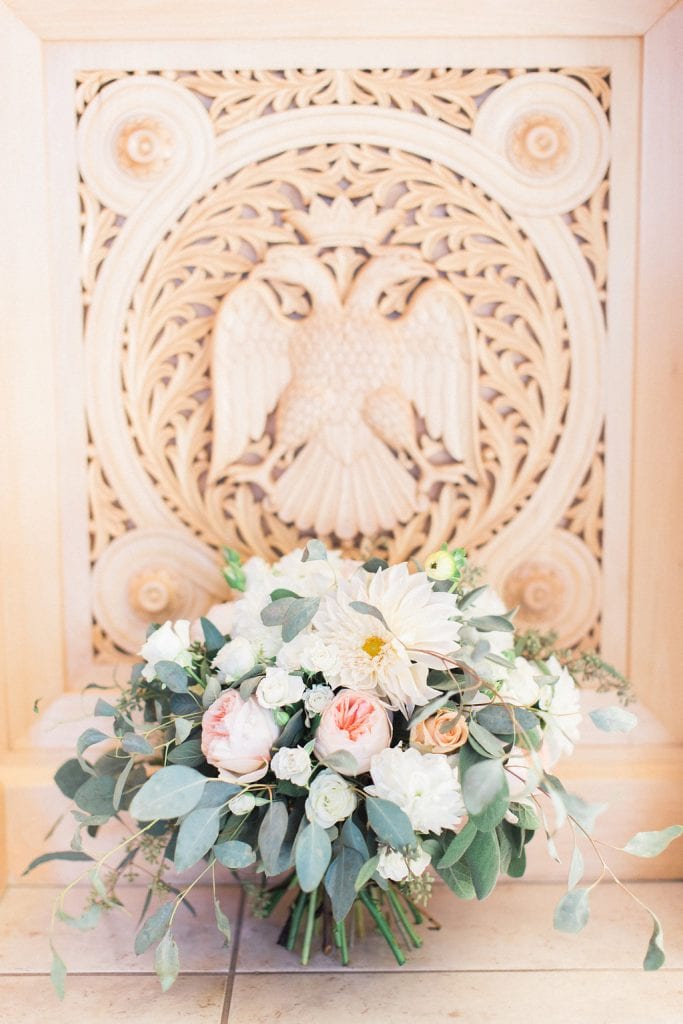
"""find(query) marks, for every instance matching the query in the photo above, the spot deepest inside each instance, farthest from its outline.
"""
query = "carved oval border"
(451, 147)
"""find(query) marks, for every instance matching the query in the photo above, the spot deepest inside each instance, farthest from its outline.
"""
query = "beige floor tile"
(106, 1000)
(512, 930)
(600, 997)
(25, 920)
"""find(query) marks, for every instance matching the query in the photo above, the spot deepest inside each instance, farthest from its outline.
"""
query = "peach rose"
(442, 733)
(356, 723)
(237, 737)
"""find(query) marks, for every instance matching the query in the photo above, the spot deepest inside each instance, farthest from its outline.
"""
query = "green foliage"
(390, 823)
(483, 859)
(271, 836)
(234, 854)
(57, 855)
(167, 961)
(651, 844)
(340, 878)
(169, 793)
(313, 851)
(586, 667)
(154, 927)
(458, 846)
(70, 777)
(613, 719)
(298, 616)
(197, 833)
(233, 573)
(571, 913)
(654, 957)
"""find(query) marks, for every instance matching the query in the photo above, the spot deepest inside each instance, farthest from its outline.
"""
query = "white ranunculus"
(331, 799)
(293, 764)
(235, 658)
(560, 702)
(317, 699)
(520, 685)
(308, 652)
(395, 867)
(170, 642)
(278, 688)
(243, 803)
(425, 786)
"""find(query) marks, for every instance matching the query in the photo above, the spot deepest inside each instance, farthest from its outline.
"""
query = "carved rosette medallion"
(316, 303)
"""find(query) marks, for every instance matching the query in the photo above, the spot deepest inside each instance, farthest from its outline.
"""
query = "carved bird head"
(297, 264)
(390, 268)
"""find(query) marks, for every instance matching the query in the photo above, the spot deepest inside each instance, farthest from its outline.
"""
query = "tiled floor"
(499, 961)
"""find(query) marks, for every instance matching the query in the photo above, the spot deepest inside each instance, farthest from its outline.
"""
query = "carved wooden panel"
(363, 304)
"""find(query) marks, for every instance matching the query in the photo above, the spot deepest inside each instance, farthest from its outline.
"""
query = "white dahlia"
(391, 660)
(560, 704)
(425, 786)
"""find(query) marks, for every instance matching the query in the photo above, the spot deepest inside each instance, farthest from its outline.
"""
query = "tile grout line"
(230, 980)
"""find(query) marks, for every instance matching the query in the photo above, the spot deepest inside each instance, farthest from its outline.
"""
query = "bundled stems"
(310, 922)
(340, 939)
(297, 913)
(400, 913)
(381, 922)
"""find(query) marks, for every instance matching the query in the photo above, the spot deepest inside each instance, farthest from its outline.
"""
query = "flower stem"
(310, 922)
(296, 920)
(418, 917)
(340, 939)
(382, 925)
(403, 918)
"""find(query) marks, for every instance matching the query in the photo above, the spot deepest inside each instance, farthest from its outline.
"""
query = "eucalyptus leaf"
(654, 957)
(212, 691)
(217, 793)
(390, 823)
(368, 609)
(427, 710)
(352, 837)
(502, 720)
(486, 740)
(482, 785)
(96, 796)
(167, 961)
(222, 922)
(315, 551)
(280, 592)
(274, 613)
(183, 728)
(70, 777)
(492, 624)
(458, 846)
(470, 597)
(103, 709)
(85, 740)
(576, 867)
(197, 833)
(86, 921)
(298, 616)
(169, 793)
(213, 638)
(613, 719)
(172, 675)
(483, 860)
(58, 973)
(651, 844)
(340, 880)
(134, 744)
(458, 878)
(374, 565)
(234, 854)
(154, 927)
(271, 836)
(312, 855)
(342, 761)
(188, 753)
(581, 811)
(58, 855)
(291, 732)
(366, 872)
(571, 913)
(121, 782)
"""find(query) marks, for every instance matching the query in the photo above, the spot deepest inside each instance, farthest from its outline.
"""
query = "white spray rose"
(425, 786)
(170, 642)
(235, 658)
(520, 686)
(293, 764)
(317, 699)
(278, 688)
(243, 803)
(394, 866)
(331, 799)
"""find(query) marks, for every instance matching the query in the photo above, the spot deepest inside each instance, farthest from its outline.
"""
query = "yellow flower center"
(373, 646)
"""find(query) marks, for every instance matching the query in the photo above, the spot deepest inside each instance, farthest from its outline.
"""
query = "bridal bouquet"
(342, 732)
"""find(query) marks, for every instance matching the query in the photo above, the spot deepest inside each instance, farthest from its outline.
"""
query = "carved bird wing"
(250, 368)
(438, 369)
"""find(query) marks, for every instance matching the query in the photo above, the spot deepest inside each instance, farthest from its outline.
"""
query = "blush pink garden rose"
(354, 722)
(238, 736)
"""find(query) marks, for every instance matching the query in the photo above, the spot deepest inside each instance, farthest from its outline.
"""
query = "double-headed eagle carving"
(346, 384)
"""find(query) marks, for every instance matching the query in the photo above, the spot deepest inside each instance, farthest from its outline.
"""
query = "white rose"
(425, 786)
(394, 866)
(170, 642)
(243, 803)
(317, 699)
(278, 688)
(293, 764)
(309, 652)
(520, 686)
(331, 799)
(235, 658)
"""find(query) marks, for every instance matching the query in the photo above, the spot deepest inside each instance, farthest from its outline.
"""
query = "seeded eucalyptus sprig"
(586, 667)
